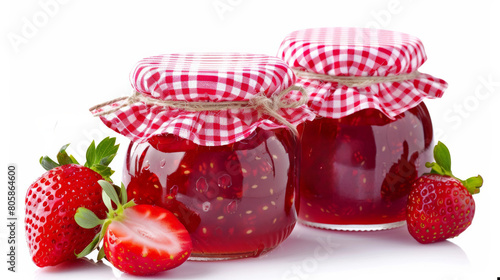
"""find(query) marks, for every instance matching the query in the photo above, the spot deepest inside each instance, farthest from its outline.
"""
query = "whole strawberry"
(52, 200)
(137, 239)
(441, 206)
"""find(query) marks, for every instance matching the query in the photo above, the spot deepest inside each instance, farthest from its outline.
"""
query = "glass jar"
(214, 140)
(236, 200)
(372, 135)
(356, 171)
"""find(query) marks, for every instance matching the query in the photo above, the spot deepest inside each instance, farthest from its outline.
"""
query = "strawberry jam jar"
(214, 141)
(236, 200)
(372, 135)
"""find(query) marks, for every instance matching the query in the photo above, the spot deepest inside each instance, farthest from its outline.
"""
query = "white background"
(61, 57)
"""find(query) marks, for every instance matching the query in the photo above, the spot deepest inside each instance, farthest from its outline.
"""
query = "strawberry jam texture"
(358, 170)
(236, 200)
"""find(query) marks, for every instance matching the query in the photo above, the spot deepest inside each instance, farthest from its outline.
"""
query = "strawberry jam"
(235, 200)
(356, 171)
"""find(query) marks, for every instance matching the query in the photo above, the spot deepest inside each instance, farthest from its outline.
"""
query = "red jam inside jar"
(356, 171)
(236, 200)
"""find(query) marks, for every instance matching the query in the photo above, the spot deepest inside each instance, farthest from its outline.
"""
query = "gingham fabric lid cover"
(347, 51)
(211, 77)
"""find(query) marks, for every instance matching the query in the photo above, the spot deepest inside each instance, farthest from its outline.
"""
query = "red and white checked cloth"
(211, 78)
(347, 51)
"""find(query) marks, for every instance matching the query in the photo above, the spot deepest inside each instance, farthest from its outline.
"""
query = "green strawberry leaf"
(105, 171)
(442, 156)
(107, 201)
(438, 169)
(101, 255)
(129, 204)
(110, 191)
(87, 250)
(86, 218)
(473, 184)
(98, 158)
(47, 163)
(123, 194)
(62, 157)
(90, 155)
(105, 151)
(107, 160)
(74, 160)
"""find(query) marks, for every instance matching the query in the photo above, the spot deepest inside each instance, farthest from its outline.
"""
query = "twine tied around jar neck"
(356, 81)
(261, 103)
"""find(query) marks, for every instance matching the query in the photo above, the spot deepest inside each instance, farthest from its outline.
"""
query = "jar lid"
(212, 99)
(351, 69)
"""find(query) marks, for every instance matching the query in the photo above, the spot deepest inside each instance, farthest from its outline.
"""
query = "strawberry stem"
(473, 184)
(85, 218)
(442, 166)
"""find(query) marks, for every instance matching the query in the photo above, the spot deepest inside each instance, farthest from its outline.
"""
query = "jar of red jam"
(213, 141)
(372, 135)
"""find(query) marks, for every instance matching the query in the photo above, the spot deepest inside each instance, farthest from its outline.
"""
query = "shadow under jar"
(235, 200)
(372, 135)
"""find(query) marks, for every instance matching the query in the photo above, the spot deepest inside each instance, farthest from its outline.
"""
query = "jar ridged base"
(370, 227)
(225, 257)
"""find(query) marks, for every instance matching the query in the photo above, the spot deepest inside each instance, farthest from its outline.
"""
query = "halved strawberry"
(137, 239)
(146, 239)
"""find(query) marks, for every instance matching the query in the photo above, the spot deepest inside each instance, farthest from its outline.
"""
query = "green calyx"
(87, 219)
(442, 166)
(97, 158)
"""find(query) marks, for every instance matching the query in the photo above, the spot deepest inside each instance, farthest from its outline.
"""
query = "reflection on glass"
(356, 171)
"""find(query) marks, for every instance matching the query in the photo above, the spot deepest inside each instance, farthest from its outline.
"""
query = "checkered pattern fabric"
(208, 78)
(344, 51)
